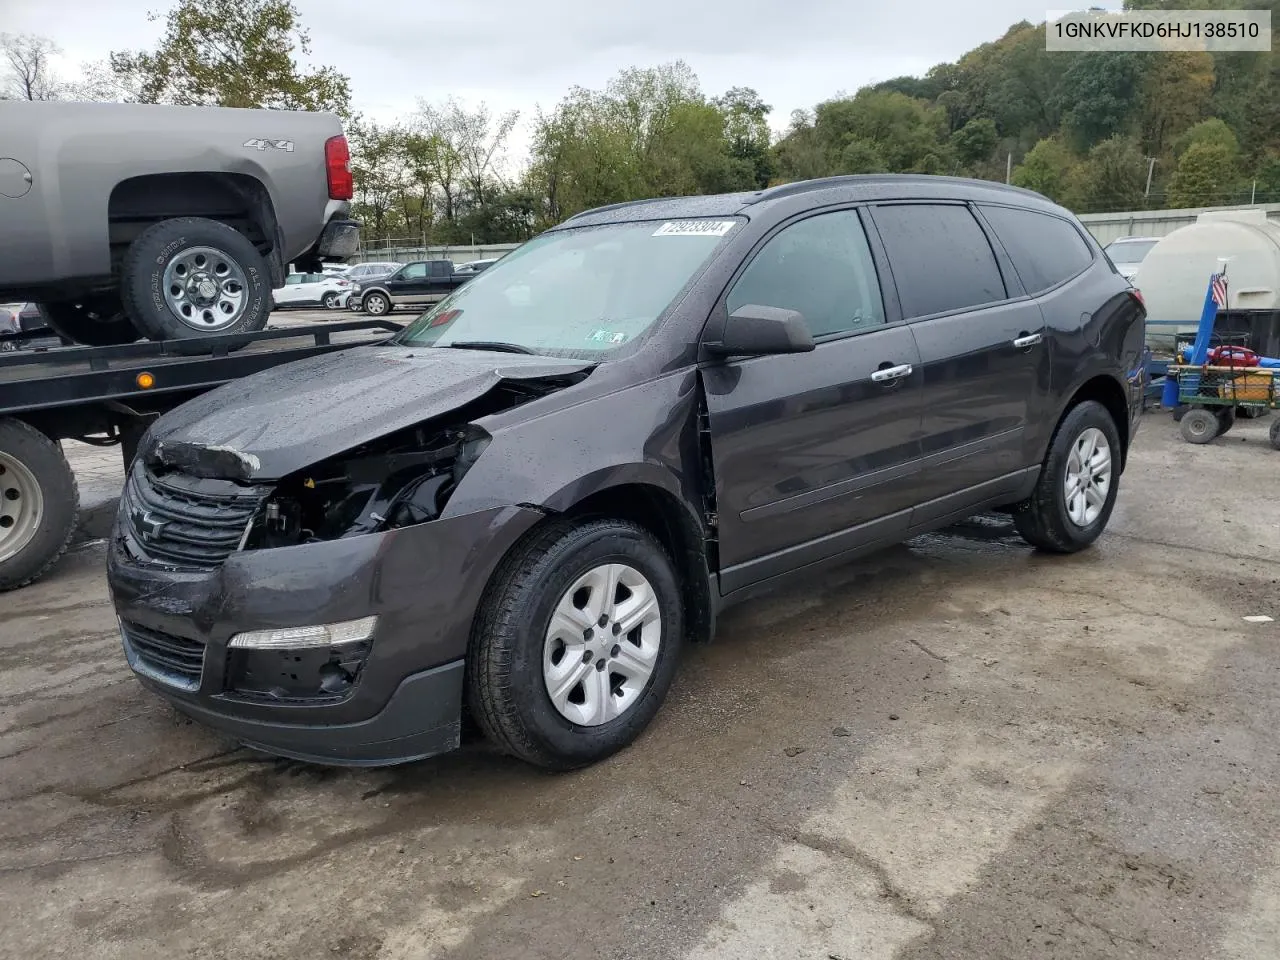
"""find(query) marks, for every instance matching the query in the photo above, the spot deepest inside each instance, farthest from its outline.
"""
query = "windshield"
(582, 293)
(1130, 251)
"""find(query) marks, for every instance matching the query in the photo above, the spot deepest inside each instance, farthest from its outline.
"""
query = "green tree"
(1205, 176)
(1212, 132)
(975, 141)
(1099, 96)
(746, 126)
(233, 53)
(1111, 178)
(1046, 169)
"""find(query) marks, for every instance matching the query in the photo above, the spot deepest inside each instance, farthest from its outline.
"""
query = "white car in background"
(1127, 253)
(328, 290)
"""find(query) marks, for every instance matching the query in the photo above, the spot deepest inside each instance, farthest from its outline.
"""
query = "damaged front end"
(398, 481)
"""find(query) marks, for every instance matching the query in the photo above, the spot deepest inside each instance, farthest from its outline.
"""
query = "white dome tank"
(1175, 274)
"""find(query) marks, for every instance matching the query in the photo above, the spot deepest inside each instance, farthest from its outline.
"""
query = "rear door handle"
(892, 373)
(1030, 340)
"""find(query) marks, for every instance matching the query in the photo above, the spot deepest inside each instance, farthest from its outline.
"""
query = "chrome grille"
(185, 522)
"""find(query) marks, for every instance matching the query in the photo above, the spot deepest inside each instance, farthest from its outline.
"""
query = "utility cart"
(1211, 396)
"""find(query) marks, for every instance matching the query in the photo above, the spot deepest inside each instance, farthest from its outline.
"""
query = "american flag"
(1218, 284)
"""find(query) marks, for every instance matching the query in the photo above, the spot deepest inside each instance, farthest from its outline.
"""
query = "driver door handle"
(892, 373)
(1030, 340)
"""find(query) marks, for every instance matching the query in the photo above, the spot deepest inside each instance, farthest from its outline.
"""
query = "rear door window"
(940, 258)
(1045, 250)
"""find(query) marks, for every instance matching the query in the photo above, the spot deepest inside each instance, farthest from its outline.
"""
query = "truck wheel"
(97, 321)
(190, 278)
(39, 503)
(376, 304)
(1076, 492)
(576, 643)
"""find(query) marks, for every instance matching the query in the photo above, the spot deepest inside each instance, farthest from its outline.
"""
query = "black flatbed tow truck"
(109, 396)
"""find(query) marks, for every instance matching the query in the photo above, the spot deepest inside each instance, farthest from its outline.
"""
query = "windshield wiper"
(496, 345)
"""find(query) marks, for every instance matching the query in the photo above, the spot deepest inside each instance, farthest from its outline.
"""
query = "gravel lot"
(956, 749)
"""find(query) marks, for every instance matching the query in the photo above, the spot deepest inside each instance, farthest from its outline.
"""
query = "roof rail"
(619, 206)
(805, 186)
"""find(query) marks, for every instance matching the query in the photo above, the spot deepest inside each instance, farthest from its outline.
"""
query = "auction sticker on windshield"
(694, 228)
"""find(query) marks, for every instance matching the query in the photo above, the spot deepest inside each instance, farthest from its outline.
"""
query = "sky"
(522, 54)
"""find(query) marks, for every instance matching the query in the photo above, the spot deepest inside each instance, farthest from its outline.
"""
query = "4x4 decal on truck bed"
(257, 143)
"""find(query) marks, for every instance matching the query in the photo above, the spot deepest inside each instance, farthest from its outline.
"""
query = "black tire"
(1179, 412)
(1274, 435)
(332, 301)
(1226, 419)
(379, 301)
(1042, 518)
(1199, 426)
(143, 274)
(44, 460)
(506, 691)
(95, 321)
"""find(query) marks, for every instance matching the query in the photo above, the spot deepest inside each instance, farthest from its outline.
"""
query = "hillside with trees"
(1094, 131)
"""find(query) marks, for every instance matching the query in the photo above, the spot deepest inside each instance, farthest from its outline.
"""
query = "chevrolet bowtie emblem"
(149, 525)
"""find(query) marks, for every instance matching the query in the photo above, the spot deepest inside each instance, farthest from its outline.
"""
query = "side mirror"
(756, 330)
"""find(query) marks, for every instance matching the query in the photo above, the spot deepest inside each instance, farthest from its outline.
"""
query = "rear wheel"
(191, 278)
(39, 503)
(332, 301)
(96, 321)
(576, 643)
(1274, 435)
(1079, 479)
(1199, 426)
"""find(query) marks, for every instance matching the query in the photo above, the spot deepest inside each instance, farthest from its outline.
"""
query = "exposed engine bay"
(399, 480)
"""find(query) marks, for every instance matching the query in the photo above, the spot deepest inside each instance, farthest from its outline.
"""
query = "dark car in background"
(416, 284)
(525, 503)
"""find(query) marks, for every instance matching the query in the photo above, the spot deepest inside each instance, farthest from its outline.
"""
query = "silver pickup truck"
(125, 221)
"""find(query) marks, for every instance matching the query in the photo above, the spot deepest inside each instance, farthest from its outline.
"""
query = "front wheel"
(96, 321)
(576, 643)
(1274, 435)
(1199, 426)
(376, 304)
(39, 503)
(1076, 492)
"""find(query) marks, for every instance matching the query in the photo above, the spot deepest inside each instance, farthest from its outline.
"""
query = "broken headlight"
(398, 481)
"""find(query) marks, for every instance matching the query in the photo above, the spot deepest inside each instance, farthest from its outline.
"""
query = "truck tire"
(96, 321)
(39, 503)
(191, 278)
(376, 304)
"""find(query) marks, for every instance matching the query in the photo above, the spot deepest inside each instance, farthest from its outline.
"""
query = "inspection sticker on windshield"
(694, 228)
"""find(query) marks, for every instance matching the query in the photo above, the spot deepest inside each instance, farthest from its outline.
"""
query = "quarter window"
(1045, 250)
(940, 257)
(820, 267)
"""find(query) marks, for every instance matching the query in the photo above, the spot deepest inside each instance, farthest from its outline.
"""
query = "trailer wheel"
(1274, 435)
(97, 321)
(1199, 426)
(191, 278)
(1226, 419)
(39, 503)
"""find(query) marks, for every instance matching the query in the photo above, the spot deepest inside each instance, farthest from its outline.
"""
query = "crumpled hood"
(268, 425)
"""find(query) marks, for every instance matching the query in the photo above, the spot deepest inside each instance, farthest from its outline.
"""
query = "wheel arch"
(663, 514)
(1106, 390)
(239, 200)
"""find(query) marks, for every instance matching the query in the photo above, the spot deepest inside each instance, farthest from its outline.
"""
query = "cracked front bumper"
(423, 583)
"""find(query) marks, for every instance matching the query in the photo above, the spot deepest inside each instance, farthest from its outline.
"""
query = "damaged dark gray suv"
(525, 503)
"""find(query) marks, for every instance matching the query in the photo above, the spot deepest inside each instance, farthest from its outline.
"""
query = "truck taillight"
(1137, 295)
(337, 162)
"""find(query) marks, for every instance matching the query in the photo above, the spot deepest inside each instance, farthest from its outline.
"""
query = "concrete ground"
(956, 749)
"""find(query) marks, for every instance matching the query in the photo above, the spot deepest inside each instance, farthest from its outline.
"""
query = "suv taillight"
(337, 163)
